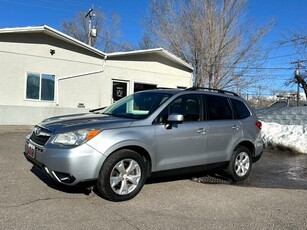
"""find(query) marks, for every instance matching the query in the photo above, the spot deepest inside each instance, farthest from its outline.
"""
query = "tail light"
(259, 124)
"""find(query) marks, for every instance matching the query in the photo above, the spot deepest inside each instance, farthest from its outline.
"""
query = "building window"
(40, 86)
(141, 86)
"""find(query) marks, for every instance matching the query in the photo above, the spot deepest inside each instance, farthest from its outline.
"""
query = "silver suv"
(147, 133)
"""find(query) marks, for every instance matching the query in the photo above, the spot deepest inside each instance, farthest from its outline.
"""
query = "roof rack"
(213, 90)
(164, 88)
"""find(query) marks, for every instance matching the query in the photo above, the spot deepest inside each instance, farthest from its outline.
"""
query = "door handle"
(201, 131)
(236, 127)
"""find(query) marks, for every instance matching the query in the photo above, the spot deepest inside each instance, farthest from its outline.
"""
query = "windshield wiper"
(121, 115)
(95, 110)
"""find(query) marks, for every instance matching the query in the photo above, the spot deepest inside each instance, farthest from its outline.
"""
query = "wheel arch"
(239, 168)
(249, 145)
(140, 150)
(115, 182)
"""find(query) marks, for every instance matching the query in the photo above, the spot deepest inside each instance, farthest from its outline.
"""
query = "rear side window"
(241, 111)
(218, 108)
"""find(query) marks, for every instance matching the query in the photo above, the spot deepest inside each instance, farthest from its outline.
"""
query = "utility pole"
(90, 14)
(297, 80)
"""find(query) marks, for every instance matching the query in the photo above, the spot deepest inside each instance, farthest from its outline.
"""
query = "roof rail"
(213, 90)
(164, 88)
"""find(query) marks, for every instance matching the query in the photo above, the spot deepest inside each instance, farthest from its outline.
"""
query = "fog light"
(46, 170)
(64, 177)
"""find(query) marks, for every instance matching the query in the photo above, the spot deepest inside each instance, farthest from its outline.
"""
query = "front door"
(182, 144)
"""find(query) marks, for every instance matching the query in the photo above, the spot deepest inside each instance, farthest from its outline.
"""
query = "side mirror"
(173, 118)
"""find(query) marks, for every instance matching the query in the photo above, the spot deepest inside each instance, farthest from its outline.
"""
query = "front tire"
(122, 175)
(240, 164)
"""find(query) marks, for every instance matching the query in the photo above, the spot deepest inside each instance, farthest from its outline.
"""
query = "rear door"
(222, 130)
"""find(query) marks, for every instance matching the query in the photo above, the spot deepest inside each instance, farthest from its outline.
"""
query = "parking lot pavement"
(274, 197)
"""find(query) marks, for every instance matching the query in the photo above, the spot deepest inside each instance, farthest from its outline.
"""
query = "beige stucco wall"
(93, 90)
(32, 115)
(72, 67)
(24, 53)
(148, 68)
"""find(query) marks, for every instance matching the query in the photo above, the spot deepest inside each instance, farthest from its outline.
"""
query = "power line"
(264, 59)
(36, 5)
(273, 75)
(300, 61)
(51, 5)
(66, 2)
(49, 2)
(270, 58)
(259, 68)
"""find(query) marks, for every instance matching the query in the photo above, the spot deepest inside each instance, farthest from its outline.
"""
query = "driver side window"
(190, 106)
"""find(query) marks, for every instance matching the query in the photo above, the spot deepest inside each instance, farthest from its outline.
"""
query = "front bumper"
(70, 166)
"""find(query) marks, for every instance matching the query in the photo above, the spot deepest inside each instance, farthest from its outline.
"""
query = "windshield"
(139, 105)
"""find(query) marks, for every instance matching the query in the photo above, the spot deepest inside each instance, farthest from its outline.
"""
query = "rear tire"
(240, 164)
(122, 175)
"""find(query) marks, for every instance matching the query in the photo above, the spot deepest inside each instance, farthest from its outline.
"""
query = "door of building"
(119, 90)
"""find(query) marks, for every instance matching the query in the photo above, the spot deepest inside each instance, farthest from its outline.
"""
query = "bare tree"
(300, 79)
(77, 26)
(107, 31)
(146, 42)
(299, 42)
(215, 36)
(109, 35)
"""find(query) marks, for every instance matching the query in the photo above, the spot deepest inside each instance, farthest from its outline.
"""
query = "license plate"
(31, 150)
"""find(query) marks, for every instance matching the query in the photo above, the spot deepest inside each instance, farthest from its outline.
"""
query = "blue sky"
(288, 14)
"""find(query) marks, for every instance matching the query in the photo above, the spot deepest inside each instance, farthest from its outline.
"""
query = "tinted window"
(218, 108)
(241, 111)
(187, 105)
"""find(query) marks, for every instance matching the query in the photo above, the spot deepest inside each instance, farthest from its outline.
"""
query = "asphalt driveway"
(274, 197)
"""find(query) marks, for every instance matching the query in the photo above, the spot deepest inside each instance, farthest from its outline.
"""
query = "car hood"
(73, 122)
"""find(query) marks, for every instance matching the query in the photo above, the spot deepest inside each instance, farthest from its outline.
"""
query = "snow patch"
(293, 137)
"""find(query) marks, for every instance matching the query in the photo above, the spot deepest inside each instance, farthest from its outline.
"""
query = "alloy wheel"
(242, 164)
(125, 176)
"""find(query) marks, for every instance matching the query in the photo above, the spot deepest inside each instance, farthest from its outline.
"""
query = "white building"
(45, 73)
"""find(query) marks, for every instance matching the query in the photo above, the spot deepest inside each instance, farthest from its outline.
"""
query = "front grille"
(40, 135)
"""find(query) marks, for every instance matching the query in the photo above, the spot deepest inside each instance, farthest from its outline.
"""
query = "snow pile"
(292, 137)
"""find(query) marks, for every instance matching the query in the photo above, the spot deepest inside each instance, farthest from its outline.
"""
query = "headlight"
(76, 137)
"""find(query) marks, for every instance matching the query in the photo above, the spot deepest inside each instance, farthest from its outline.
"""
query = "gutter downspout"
(78, 75)
(192, 79)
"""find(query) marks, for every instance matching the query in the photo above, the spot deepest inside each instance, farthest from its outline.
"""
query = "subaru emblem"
(37, 131)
